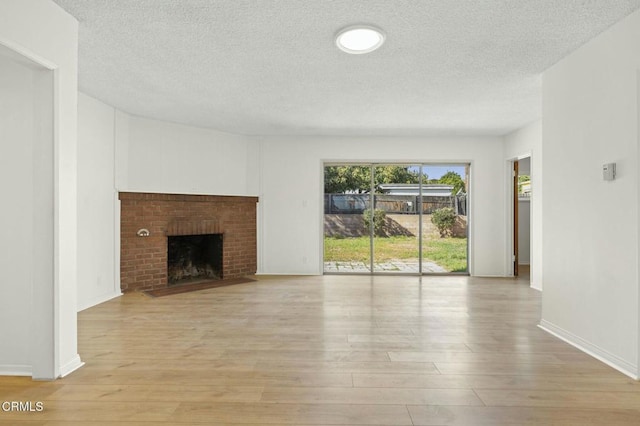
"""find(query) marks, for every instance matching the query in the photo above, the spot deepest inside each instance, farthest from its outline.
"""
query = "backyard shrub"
(379, 219)
(444, 219)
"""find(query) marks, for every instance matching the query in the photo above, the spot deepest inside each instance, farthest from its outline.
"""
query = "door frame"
(514, 251)
(42, 359)
(511, 222)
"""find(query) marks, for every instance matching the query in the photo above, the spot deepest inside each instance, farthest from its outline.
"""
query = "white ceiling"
(266, 67)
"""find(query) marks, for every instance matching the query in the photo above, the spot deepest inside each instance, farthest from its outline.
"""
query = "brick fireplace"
(209, 237)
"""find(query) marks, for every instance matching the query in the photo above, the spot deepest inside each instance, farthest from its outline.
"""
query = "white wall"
(291, 194)
(98, 207)
(174, 158)
(41, 31)
(590, 235)
(17, 233)
(527, 142)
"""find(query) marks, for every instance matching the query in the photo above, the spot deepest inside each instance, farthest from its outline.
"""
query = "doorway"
(521, 218)
(386, 218)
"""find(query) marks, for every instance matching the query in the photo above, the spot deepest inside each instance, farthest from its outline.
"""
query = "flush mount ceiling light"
(359, 39)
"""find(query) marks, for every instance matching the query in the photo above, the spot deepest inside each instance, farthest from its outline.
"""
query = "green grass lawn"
(450, 253)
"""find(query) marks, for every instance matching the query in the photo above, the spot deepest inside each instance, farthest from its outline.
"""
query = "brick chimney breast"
(148, 219)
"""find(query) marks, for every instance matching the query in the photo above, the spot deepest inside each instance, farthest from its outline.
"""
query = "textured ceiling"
(271, 66)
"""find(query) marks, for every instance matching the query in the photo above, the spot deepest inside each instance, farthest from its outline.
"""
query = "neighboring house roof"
(428, 190)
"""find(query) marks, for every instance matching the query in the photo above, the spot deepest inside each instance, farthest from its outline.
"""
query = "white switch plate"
(609, 171)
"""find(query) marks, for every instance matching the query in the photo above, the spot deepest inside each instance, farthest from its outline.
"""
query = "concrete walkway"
(402, 266)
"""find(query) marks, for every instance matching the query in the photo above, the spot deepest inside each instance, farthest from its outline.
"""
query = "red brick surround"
(143, 260)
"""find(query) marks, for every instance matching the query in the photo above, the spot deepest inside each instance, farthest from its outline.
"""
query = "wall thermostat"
(609, 171)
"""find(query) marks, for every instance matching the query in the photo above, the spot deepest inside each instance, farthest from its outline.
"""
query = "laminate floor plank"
(295, 414)
(614, 383)
(520, 416)
(378, 396)
(166, 393)
(91, 411)
(215, 378)
(471, 357)
(348, 366)
(273, 355)
(524, 368)
(559, 399)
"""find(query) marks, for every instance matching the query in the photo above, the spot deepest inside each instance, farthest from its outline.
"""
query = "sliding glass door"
(395, 218)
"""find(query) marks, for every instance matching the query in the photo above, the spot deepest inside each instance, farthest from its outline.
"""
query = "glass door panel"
(444, 225)
(396, 219)
(347, 243)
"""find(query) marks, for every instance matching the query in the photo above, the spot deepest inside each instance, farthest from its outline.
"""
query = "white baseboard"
(15, 370)
(71, 366)
(25, 370)
(97, 300)
(598, 353)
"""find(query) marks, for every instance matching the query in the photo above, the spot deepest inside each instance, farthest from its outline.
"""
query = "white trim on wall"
(117, 291)
(71, 366)
(595, 351)
(27, 53)
(15, 370)
(638, 224)
(99, 299)
(320, 190)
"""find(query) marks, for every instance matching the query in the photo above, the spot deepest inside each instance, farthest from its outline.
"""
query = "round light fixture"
(359, 39)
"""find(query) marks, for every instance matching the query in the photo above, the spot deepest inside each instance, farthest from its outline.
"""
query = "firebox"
(194, 258)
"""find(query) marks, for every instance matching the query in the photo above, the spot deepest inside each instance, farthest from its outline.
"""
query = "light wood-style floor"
(332, 350)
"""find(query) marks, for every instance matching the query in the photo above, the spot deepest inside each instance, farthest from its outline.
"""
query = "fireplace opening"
(194, 258)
